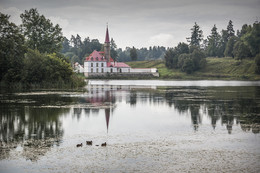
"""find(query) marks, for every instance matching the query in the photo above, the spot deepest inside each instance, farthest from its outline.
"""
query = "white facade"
(95, 67)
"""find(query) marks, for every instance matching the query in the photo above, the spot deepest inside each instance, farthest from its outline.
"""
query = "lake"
(148, 126)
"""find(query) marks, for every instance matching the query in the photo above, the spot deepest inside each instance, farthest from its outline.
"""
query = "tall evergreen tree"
(196, 36)
(78, 41)
(73, 41)
(213, 42)
(40, 33)
(65, 45)
(230, 29)
(133, 54)
(113, 51)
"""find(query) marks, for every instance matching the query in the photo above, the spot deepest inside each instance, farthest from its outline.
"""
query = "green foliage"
(155, 52)
(40, 68)
(241, 50)
(229, 47)
(79, 50)
(11, 50)
(65, 45)
(196, 36)
(188, 66)
(113, 51)
(180, 58)
(257, 62)
(40, 33)
(214, 43)
(198, 59)
(182, 48)
(171, 58)
(230, 30)
(252, 39)
(133, 54)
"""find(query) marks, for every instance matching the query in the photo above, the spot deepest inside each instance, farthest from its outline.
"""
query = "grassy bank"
(216, 69)
(76, 82)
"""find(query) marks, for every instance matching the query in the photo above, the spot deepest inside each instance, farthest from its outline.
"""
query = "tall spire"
(107, 36)
(107, 46)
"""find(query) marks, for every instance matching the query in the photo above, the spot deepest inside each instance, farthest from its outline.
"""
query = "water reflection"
(35, 121)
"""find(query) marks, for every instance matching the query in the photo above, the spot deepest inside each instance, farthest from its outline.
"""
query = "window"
(120, 70)
(97, 64)
(91, 70)
(102, 65)
(102, 70)
(111, 70)
(91, 64)
(97, 70)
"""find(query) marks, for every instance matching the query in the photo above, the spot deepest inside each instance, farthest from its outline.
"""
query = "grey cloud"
(135, 22)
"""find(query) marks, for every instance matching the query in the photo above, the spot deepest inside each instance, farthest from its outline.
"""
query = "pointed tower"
(107, 47)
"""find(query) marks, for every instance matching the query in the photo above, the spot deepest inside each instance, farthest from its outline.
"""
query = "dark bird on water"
(104, 144)
(89, 142)
(79, 145)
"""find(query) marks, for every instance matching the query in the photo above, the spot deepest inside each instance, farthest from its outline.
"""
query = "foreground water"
(149, 126)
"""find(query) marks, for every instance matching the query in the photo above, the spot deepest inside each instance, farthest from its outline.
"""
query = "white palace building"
(100, 63)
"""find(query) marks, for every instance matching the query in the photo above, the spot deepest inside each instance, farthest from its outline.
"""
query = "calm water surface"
(149, 126)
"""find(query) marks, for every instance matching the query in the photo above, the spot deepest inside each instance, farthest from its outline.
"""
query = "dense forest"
(77, 50)
(30, 54)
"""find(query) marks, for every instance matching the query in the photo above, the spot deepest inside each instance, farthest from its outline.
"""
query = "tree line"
(191, 57)
(30, 53)
(77, 50)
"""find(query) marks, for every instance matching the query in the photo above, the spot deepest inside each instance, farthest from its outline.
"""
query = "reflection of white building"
(100, 63)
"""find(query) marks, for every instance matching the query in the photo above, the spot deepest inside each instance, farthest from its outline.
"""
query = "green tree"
(257, 62)
(196, 36)
(40, 33)
(65, 45)
(133, 54)
(181, 60)
(241, 50)
(95, 45)
(113, 51)
(229, 47)
(182, 48)
(214, 43)
(230, 30)
(252, 38)
(11, 50)
(171, 58)
(198, 58)
(188, 66)
(41, 68)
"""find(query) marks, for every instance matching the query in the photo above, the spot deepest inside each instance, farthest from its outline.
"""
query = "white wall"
(143, 70)
(96, 66)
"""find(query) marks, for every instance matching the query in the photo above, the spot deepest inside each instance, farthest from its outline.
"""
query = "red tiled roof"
(96, 56)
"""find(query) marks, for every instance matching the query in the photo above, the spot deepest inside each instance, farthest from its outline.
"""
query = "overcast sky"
(139, 23)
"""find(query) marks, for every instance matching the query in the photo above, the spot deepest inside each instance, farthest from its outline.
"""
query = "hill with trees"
(191, 57)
